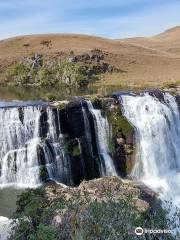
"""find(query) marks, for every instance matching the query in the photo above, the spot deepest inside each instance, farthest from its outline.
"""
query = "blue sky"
(106, 18)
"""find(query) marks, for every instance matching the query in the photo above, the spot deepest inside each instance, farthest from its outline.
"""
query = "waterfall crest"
(157, 124)
(35, 147)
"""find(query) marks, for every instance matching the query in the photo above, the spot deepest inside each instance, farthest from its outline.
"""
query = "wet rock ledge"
(121, 143)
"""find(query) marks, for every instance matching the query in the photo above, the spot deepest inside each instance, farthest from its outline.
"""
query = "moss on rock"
(118, 121)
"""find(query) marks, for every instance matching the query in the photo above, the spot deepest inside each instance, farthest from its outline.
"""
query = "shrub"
(81, 80)
(19, 73)
(83, 216)
(45, 233)
(50, 96)
(30, 208)
(56, 71)
(44, 77)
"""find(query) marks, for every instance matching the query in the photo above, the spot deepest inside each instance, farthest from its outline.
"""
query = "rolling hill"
(151, 60)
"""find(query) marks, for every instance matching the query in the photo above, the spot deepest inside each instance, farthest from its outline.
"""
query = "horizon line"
(86, 35)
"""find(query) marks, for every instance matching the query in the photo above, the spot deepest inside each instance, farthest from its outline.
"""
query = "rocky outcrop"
(77, 122)
(105, 208)
(122, 143)
(104, 191)
(96, 190)
(82, 139)
(95, 55)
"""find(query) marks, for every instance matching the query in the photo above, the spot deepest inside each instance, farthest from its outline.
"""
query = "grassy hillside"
(151, 61)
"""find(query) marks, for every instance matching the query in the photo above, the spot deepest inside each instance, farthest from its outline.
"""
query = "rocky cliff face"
(81, 140)
(76, 123)
(65, 141)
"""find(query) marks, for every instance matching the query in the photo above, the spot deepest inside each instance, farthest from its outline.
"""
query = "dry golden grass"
(168, 41)
(151, 61)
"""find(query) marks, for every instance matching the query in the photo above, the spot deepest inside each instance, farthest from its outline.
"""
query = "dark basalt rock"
(44, 126)
(81, 127)
(89, 146)
(77, 169)
(96, 56)
(63, 118)
(178, 101)
(75, 119)
(120, 160)
(159, 94)
(21, 114)
(91, 167)
(76, 161)
(80, 58)
(116, 95)
(41, 155)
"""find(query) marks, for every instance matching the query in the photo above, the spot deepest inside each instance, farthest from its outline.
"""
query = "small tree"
(46, 43)
(26, 46)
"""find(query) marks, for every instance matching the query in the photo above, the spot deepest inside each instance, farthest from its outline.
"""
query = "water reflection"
(42, 93)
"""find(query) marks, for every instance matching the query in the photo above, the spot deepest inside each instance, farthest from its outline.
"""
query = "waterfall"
(157, 125)
(19, 135)
(103, 137)
(58, 163)
(20, 163)
(34, 149)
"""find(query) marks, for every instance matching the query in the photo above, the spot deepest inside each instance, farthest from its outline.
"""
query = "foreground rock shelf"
(97, 209)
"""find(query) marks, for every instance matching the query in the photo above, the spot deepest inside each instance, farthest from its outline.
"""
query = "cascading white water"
(19, 139)
(32, 146)
(58, 167)
(5, 228)
(103, 136)
(157, 164)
